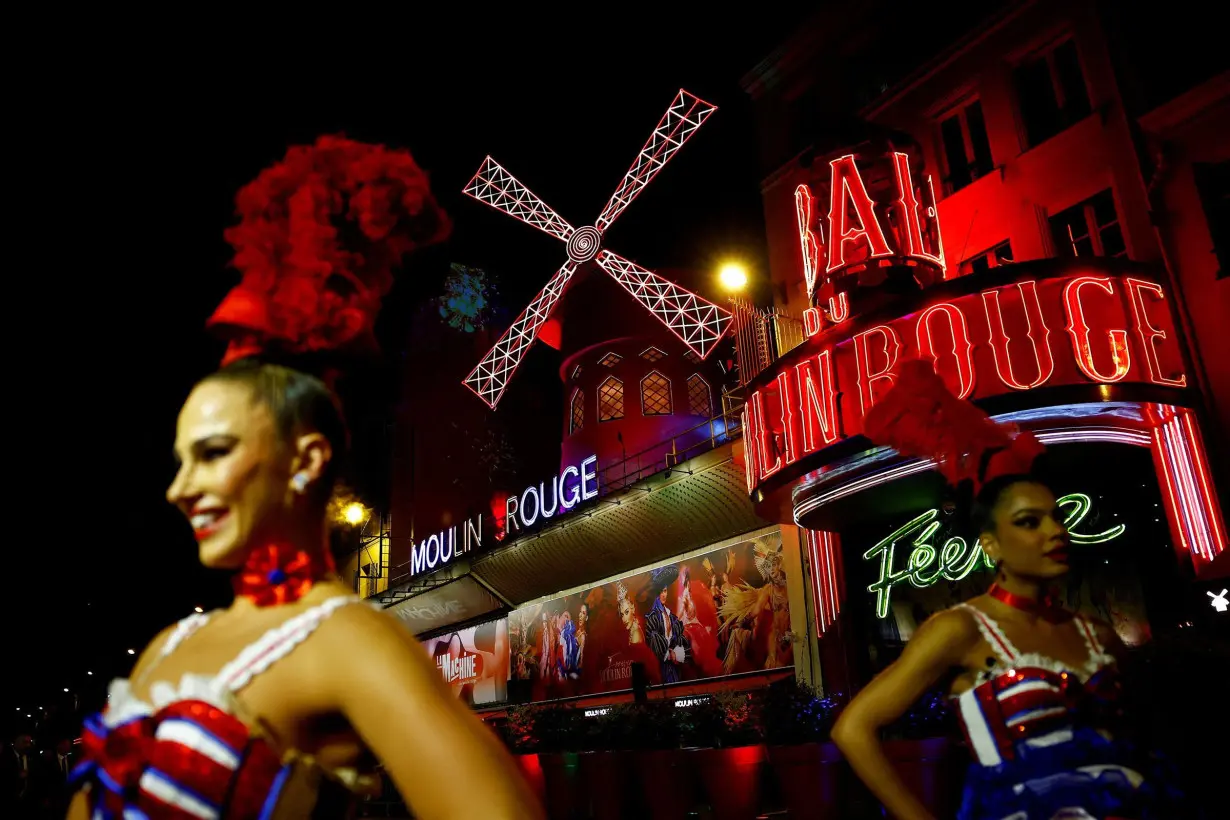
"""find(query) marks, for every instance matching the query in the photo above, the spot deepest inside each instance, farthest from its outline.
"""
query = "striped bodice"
(1026, 700)
(186, 752)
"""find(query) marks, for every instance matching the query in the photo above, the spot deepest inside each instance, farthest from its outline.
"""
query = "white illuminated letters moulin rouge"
(536, 503)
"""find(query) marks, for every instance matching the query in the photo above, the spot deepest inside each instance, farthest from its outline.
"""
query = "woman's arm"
(938, 645)
(445, 763)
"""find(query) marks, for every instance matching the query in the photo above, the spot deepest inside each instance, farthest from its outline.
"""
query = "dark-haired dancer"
(281, 705)
(1030, 682)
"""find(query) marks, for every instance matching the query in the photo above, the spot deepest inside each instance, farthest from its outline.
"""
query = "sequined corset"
(1029, 700)
(186, 753)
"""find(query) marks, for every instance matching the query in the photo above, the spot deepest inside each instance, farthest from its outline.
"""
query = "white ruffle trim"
(122, 706)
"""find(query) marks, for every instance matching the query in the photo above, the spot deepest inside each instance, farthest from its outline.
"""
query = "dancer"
(1034, 686)
(281, 705)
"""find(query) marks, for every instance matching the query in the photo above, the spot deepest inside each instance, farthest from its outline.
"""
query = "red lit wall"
(1028, 184)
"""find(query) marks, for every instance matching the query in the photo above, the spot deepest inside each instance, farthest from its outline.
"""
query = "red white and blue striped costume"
(1035, 730)
(186, 753)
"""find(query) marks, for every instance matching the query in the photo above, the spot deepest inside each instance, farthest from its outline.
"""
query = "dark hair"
(982, 515)
(299, 403)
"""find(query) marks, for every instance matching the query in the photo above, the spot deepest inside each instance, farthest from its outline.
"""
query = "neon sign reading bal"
(956, 559)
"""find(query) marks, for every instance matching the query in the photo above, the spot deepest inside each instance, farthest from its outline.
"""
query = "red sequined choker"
(1046, 608)
(279, 574)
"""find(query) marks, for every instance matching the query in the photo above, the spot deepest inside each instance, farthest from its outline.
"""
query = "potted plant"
(650, 735)
(919, 746)
(517, 732)
(729, 730)
(809, 768)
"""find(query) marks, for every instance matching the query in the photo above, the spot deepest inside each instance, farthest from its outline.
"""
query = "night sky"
(136, 154)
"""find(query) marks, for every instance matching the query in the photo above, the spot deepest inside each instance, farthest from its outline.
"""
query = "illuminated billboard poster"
(474, 661)
(719, 613)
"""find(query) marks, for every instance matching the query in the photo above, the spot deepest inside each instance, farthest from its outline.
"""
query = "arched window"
(610, 399)
(652, 354)
(656, 395)
(700, 400)
(577, 419)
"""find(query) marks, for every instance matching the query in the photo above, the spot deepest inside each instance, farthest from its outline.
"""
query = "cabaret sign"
(1044, 324)
(537, 503)
(928, 563)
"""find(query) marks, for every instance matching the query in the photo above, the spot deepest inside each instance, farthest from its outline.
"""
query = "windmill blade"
(697, 322)
(493, 373)
(686, 114)
(494, 186)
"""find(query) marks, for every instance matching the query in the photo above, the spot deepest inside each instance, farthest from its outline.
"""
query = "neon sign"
(572, 486)
(956, 559)
(863, 229)
(1074, 328)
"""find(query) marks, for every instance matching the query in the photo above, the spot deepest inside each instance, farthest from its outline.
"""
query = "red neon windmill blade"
(697, 322)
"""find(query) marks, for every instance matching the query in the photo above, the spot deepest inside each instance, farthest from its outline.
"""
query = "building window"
(656, 395)
(691, 356)
(700, 403)
(1213, 183)
(967, 150)
(611, 400)
(652, 354)
(576, 371)
(577, 419)
(1001, 254)
(610, 360)
(1090, 228)
(1051, 91)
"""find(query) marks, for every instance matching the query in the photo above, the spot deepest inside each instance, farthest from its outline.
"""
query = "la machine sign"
(1014, 330)
(529, 509)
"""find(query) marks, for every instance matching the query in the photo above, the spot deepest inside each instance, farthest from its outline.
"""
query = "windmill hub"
(584, 244)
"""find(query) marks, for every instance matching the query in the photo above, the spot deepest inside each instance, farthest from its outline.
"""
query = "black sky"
(136, 146)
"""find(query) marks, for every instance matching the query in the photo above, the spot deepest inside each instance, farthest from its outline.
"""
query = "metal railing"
(762, 336)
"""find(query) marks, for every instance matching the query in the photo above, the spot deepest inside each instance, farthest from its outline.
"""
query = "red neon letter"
(907, 201)
(1078, 329)
(813, 322)
(862, 361)
(1150, 335)
(962, 350)
(819, 401)
(767, 462)
(846, 187)
(750, 434)
(1034, 323)
(788, 398)
(839, 308)
(804, 209)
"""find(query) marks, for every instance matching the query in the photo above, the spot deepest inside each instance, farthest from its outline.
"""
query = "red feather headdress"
(319, 236)
(919, 417)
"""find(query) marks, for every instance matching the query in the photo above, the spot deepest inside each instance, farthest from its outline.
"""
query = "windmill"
(699, 324)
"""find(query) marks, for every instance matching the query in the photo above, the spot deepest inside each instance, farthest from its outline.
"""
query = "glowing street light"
(733, 276)
(88, 672)
(65, 688)
(354, 513)
(198, 609)
(132, 651)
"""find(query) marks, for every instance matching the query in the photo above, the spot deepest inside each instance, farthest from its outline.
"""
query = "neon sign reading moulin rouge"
(572, 486)
(955, 559)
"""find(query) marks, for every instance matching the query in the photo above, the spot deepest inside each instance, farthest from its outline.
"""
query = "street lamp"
(733, 276)
(354, 513)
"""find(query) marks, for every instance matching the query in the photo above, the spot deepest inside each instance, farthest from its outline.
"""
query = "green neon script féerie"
(956, 559)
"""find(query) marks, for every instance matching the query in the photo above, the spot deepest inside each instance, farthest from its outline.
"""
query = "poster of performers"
(716, 614)
(474, 661)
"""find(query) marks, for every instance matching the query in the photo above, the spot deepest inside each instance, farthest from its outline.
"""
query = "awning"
(458, 600)
(700, 502)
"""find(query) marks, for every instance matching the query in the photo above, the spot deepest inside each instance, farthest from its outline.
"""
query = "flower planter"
(925, 766)
(531, 769)
(562, 778)
(811, 778)
(731, 778)
(666, 783)
(602, 779)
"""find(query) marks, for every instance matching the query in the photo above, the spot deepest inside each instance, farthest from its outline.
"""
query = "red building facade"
(1017, 208)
